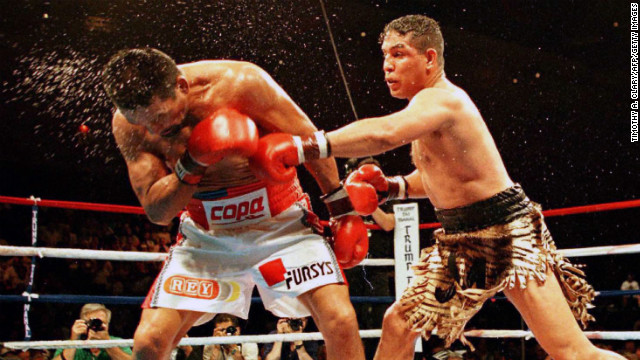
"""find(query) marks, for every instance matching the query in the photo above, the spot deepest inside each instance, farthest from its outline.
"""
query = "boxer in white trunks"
(186, 132)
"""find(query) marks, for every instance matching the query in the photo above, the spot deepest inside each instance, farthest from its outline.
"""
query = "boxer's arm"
(274, 111)
(160, 192)
(428, 111)
(415, 186)
(387, 221)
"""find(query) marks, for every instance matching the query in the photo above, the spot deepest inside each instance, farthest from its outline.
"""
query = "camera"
(230, 330)
(295, 324)
(94, 324)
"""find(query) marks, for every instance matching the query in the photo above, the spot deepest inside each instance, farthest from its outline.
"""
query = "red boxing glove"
(278, 154)
(368, 187)
(350, 240)
(225, 132)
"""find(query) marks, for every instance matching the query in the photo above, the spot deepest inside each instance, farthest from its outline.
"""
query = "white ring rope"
(186, 341)
(68, 253)
(375, 333)
(595, 335)
(602, 250)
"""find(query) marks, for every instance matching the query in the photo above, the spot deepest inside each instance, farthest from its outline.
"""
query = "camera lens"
(94, 324)
(295, 324)
(231, 330)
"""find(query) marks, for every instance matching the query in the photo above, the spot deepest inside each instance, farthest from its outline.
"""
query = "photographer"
(93, 325)
(296, 350)
(228, 325)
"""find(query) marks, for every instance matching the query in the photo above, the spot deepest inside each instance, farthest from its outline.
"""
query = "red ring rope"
(74, 205)
(138, 210)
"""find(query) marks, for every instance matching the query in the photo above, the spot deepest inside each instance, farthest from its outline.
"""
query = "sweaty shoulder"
(237, 83)
(449, 98)
(238, 72)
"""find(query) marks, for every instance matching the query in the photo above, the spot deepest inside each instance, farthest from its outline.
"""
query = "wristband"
(298, 347)
(312, 147)
(323, 144)
(189, 171)
(338, 203)
(398, 187)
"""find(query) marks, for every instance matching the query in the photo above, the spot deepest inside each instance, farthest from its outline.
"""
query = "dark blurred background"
(550, 79)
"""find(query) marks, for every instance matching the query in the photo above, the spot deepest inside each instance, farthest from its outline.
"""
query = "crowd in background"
(88, 230)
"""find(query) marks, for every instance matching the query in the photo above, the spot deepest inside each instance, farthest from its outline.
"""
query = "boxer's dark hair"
(425, 33)
(133, 76)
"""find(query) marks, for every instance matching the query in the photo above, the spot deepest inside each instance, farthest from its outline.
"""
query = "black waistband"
(501, 208)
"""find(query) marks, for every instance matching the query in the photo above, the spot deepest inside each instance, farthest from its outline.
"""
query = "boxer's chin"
(396, 94)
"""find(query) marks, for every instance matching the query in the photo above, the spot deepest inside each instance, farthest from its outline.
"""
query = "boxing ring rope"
(126, 209)
(137, 300)
(84, 254)
(39, 252)
(216, 340)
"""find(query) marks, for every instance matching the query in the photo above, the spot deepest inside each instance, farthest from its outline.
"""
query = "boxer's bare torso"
(457, 159)
(457, 162)
(153, 138)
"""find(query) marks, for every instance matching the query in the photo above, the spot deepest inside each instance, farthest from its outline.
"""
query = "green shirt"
(85, 354)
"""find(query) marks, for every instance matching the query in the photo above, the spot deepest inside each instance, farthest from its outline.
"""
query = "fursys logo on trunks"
(275, 273)
(239, 210)
(302, 274)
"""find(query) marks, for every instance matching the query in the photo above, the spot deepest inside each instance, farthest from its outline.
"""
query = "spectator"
(93, 325)
(629, 350)
(630, 284)
(13, 354)
(297, 350)
(102, 278)
(9, 279)
(225, 325)
(39, 354)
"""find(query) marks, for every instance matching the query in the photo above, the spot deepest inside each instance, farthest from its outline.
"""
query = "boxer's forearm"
(325, 172)
(426, 113)
(166, 198)
(364, 137)
(386, 221)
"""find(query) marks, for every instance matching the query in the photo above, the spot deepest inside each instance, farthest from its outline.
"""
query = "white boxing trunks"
(251, 237)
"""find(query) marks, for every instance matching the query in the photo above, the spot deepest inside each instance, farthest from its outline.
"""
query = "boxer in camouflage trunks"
(493, 238)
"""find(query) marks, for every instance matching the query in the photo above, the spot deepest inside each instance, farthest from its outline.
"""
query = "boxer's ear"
(182, 84)
(431, 58)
